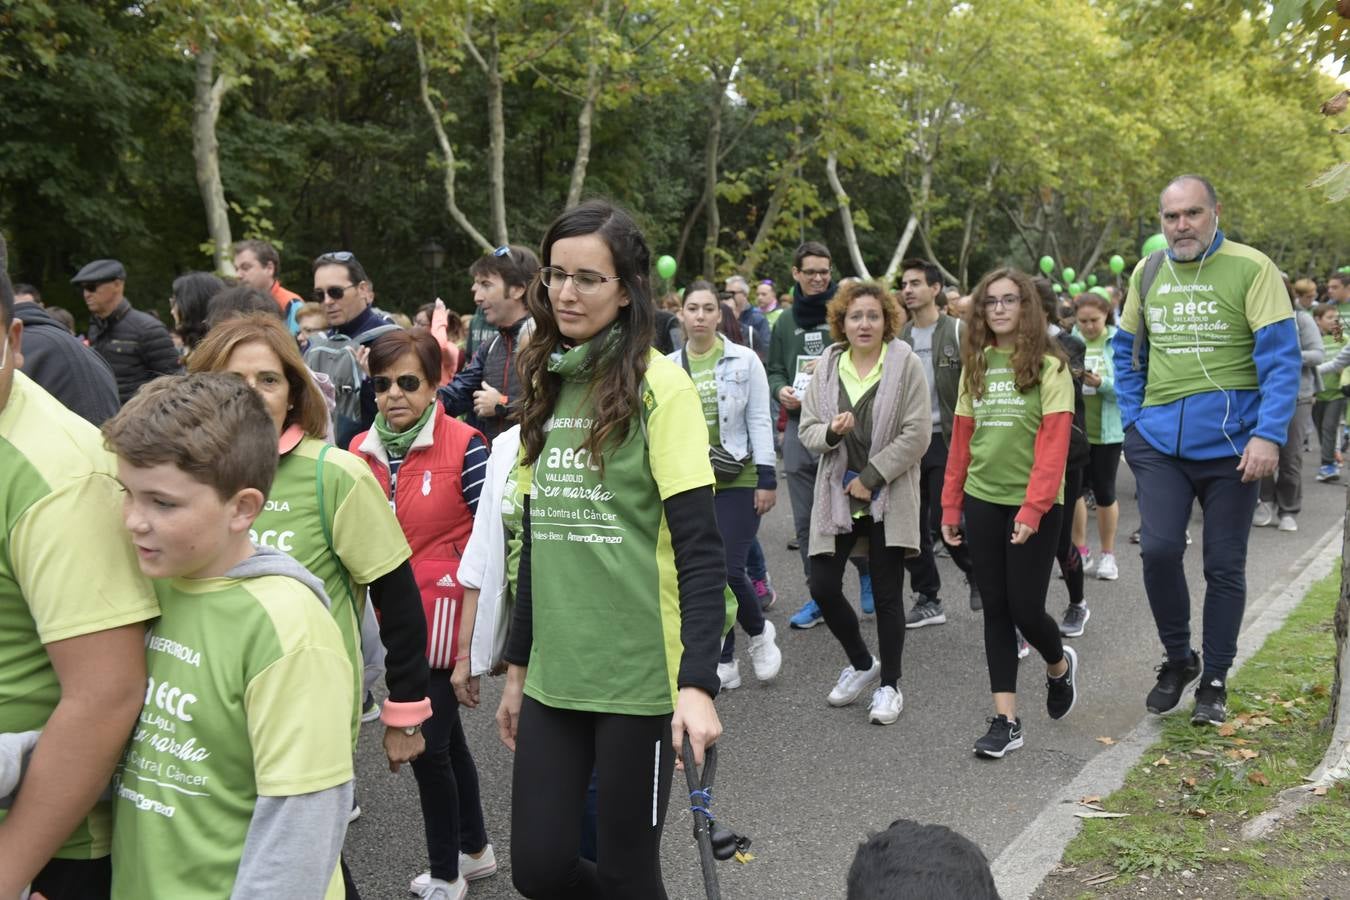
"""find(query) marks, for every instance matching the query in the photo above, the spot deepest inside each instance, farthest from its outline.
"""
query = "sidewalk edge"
(1034, 853)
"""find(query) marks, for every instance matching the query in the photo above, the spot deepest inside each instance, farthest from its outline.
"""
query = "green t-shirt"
(702, 369)
(1343, 311)
(605, 597)
(67, 567)
(1331, 382)
(1202, 320)
(1003, 447)
(1095, 360)
(247, 696)
(366, 539)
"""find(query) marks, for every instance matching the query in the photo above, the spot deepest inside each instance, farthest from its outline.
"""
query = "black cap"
(100, 270)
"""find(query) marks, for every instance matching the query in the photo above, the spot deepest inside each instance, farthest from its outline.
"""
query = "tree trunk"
(846, 215)
(447, 152)
(755, 255)
(497, 128)
(710, 169)
(1096, 253)
(585, 119)
(968, 229)
(902, 247)
(209, 89)
(689, 225)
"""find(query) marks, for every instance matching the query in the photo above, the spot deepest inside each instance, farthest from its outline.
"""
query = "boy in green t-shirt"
(237, 779)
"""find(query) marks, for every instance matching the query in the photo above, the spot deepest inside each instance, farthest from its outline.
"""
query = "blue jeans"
(1167, 487)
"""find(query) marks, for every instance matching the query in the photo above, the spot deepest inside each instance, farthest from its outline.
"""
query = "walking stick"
(700, 798)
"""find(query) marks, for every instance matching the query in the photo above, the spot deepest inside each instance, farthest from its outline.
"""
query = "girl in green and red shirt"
(1005, 471)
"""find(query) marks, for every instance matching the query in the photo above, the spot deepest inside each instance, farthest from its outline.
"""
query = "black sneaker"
(1061, 693)
(926, 612)
(1174, 679)
(976, 601)
(1075, 617)
(1002, 738)
(1211, 699)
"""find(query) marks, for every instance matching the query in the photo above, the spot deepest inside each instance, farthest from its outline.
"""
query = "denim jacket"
(742, 402)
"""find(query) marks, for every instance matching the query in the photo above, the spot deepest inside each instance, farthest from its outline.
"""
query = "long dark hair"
(1033, 342)
(191, 293)
(616, 381)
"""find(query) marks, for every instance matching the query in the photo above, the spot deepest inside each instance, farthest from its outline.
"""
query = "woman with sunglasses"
(431, 468)
(1010, 442)
(734, 393)
(328, 512)
(620, 608)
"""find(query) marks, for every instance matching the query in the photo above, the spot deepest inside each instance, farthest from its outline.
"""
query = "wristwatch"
(412, 730)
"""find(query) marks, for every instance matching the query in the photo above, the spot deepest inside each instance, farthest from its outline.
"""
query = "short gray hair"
(1212, 194)
(741, 282)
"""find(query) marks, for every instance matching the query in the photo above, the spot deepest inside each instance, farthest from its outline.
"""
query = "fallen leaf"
(1241, 742)
(1189, 782)
(1337, 104)
(1101, 879)
(1248, 754)
(1162, 761)
(1093, 798)
(1098, 814)
(1227, 729)
(1108, 741)
(1320, 791)
(1258, 778)
(1198, 812)
(1201, 753)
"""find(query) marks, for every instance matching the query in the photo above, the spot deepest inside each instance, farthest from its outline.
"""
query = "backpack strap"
(1146, 279)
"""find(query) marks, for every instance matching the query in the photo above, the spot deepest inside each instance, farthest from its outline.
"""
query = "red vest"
(429, 504)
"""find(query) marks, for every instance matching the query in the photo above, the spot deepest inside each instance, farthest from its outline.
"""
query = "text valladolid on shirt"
(605, 596)
(233, 665)
(67, 567)
(1003, 447)
(367, 541)
(1201, 320)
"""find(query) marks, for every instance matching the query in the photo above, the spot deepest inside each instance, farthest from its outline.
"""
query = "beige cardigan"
(895, 454)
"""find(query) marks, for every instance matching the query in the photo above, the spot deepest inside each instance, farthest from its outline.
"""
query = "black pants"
(447, 783)
(1070, 560)
(737, 522)
(556, 751)
(923, 571)
(75, 879)
(827, 587)
(1013, 579)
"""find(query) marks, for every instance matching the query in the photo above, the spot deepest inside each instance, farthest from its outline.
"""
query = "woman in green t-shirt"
(620, 596)
(1005, 470)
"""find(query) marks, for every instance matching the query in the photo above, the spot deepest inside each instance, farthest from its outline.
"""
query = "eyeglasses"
(333, 293)
(815, 273)
(341, 256)
(584, 282)
(406, 383)
(1004, 302)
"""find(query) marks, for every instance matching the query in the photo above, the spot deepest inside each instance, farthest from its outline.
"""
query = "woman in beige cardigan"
(867, 414)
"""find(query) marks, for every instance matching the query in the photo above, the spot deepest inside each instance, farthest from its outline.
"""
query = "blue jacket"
(743, 407)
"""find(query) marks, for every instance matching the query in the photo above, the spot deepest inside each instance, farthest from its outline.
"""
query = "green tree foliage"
(973, 133)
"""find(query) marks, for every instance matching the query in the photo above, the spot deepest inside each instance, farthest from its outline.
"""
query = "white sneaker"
(729, 674)
(471, 868)
(1263, 516)
(886, 705)
(764, 653)
(1106, 567)
(1288, 523)
(852, 683)
(436, 889)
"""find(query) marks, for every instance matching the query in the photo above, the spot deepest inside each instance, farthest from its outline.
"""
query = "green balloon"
(1156, 242)
(1117, 264)
(1059, 288)
(1069, 274)
(665, 267)
(1077, 288)
(1100, 292)
(1047, 264)
(1345, 269)
(1092, 281)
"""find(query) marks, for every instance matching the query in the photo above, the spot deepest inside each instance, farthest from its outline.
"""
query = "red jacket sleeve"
(958, 464)
(1047, 469)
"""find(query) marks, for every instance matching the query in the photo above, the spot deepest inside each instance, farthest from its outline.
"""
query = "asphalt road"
(808, 782)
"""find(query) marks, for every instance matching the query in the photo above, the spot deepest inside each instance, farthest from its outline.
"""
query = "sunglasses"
(406, 383)
(333, 293)
(341, 256)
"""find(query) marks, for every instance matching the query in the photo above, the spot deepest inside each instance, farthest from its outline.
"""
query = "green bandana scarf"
(578, 363)
(396, 443)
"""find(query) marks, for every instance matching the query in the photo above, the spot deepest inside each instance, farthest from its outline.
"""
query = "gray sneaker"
(927, 612)
(1075, 617)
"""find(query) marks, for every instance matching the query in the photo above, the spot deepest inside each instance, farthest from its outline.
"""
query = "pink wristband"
(405, 715)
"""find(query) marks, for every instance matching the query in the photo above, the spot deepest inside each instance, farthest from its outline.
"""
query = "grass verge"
(1187, 799)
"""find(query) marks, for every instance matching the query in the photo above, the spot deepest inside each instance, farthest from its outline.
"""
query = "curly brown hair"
(1032, 345)
(838, 306)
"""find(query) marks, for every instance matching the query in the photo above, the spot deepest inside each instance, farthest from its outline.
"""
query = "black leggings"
(1013, 579)
(1103, 464)
(447, 784)
(556, 751)
(1070, 560)
(887, 567)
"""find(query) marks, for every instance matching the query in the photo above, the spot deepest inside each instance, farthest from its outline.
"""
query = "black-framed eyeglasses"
(340, 256)
(816, 273)
(406, 383)
(584, 282)
(333, 292)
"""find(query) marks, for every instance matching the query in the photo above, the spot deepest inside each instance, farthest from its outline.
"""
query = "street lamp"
(433, 257)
